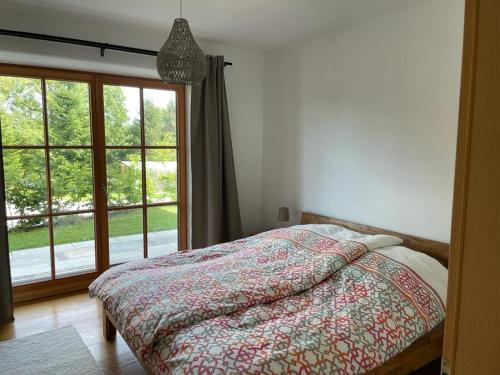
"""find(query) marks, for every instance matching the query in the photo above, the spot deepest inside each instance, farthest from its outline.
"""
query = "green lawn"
(76, 229)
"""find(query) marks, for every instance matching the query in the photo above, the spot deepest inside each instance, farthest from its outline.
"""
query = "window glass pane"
(126, 241)
(68, 113)
(71, 179)
(21, 111)
(25, 182)
(162, 231)
(124, 170)
(74, 245)
(161, 175)
(122, 118)
(160, 117)
(29, 250)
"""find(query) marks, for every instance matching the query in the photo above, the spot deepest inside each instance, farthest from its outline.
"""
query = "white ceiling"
(257, 24)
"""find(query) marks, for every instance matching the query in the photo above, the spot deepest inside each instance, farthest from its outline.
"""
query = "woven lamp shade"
(181, 61)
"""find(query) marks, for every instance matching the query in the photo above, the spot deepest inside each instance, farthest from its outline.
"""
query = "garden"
(71, 159)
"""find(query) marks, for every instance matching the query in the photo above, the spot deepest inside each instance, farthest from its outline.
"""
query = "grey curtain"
(215, 209)
(6, 304)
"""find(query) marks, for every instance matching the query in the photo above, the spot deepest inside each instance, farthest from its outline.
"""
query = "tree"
(68, 119)
(160, 130)
(22, 123)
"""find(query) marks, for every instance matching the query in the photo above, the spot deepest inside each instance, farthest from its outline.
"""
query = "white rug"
(57, 352)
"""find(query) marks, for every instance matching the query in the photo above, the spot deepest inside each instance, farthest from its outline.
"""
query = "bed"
(291, 301)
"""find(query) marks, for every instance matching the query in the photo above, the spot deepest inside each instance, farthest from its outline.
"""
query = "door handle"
(104, 189)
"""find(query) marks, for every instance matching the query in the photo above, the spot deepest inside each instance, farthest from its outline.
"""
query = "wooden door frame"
(461, 192)
(71, 283)
(81, 282)
(107, 79)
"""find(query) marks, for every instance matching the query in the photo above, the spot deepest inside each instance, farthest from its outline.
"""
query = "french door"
(143, 193)
(95, 174)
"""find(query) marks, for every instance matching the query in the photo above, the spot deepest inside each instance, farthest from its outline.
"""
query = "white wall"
(243, 80)
(361, 124)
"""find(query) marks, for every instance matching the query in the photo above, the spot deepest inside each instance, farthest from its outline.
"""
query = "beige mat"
(57, 352)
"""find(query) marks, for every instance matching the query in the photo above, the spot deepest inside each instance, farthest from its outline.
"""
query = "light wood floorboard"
(84, 314)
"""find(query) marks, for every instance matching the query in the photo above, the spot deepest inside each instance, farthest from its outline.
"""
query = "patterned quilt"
(287, 301)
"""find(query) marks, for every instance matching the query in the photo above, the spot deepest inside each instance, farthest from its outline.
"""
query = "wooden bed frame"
(424, 351)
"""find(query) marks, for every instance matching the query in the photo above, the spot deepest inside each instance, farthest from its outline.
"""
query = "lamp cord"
(180, 6)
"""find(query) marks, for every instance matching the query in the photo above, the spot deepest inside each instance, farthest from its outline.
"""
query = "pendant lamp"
(181, 61)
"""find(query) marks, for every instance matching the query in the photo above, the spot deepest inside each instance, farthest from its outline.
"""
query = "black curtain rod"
(102, 46)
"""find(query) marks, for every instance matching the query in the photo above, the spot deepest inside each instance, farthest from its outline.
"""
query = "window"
(95, 173)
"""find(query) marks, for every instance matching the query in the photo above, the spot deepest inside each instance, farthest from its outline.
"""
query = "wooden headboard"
(435, 249)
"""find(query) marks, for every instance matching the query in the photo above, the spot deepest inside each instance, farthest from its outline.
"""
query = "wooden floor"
(84, 314)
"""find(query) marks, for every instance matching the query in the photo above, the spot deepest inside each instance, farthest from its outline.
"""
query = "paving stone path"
(34, 264)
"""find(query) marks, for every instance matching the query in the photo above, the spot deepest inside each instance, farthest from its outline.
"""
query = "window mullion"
(49, 185)
(143, 170)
